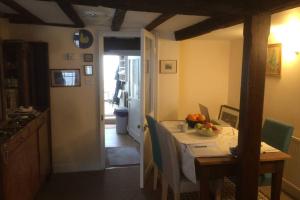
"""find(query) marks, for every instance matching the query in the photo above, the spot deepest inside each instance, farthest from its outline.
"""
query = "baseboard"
(290, 188)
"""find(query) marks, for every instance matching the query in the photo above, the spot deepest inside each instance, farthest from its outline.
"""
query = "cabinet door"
(44, 151)
(21, 171)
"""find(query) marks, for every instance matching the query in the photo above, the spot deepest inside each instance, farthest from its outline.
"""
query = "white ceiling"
(101, 16)
(47, 11)
(98, 16)
(178, 22)
(138, 19)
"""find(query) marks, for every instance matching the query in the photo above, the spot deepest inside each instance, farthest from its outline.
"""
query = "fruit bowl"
(207, 129)
(193, 119)
(206, 133)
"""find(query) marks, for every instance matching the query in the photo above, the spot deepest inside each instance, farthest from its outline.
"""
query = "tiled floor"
(112, 139)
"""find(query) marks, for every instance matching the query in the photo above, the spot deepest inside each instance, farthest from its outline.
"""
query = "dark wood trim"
(190, 7)
(2, 100)
(17, 19)
(256, 32)
(22, 11)
(118, 19)
(69, 10)
(207, 26)
(158, 21)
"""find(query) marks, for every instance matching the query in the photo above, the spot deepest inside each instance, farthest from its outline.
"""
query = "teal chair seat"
(278, 135)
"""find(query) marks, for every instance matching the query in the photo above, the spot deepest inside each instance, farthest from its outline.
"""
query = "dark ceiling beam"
(207, 26)
(185, 7)
(22, 11)
(18, 19)
(69, 10)
(118, 19)
(196, 7)
(158, 21)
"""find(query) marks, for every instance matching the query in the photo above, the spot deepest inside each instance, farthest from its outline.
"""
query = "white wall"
(168, 88)
(235, 71)
(75, 138)
(203, 75)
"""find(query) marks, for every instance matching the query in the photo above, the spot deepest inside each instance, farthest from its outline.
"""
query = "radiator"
(291, 178)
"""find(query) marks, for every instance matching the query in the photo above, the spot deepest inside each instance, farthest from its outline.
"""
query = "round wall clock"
(83, 39)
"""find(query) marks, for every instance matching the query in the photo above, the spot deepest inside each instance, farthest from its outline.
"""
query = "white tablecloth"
(192, 145)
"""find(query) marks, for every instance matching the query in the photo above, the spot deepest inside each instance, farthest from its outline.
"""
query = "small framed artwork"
(88, 57)
(65, 77)
(88, 70)
(273, 67)
(168, 66)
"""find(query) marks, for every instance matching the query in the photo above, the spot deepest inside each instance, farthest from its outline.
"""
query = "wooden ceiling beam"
(207, 26)
(158, 21)
(215, 23)
(18, 19)
(22, 11)
(69, 10)
(185, 7)
(118, 19)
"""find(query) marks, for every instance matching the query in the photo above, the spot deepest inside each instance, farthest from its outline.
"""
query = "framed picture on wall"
(168, 66)
(273, 67)
(88, 57)
(88, 70)
(65, 77)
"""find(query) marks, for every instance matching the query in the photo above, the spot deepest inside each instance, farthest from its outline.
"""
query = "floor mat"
(120, 156)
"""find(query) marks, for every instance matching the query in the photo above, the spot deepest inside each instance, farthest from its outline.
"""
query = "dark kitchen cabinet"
(25, 79)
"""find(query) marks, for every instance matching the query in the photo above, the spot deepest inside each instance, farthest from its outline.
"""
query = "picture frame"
(65, 77)
(230, 115)
(273, 67)
(88, 57)
(168, 66)
(88, 70)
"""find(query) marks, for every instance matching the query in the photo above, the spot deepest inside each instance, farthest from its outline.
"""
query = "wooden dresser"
(25, 160)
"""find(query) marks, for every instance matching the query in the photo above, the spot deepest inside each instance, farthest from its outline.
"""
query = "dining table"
(204, 158)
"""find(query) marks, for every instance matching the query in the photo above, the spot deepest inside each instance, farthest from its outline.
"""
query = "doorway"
(142, 57)
(121, 149)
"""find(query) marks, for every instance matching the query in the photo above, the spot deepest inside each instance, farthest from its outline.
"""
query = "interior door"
(134, 96)
(146, 89)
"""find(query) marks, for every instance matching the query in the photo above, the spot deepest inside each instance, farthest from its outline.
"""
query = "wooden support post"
(256, 32)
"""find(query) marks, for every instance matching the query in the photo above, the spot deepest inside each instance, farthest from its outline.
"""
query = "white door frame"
(144, 34)
(100, 88)
(100, 91)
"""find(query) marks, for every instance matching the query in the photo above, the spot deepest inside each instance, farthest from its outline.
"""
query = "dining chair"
(230, 115)
(156, 152)
(278, 135)
(171, 174)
